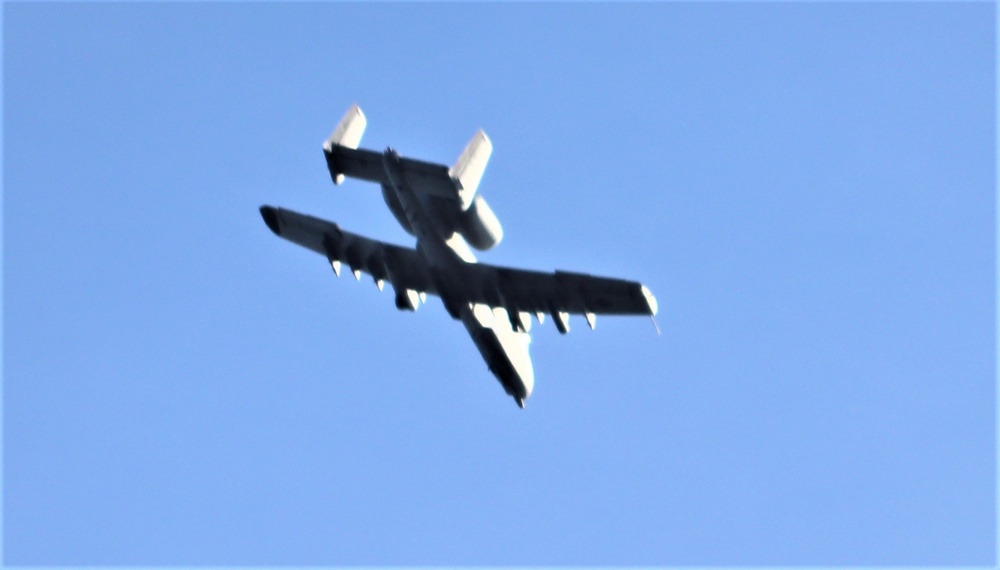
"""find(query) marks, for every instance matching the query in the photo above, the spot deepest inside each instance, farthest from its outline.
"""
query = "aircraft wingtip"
(270, 215)
(650, 300)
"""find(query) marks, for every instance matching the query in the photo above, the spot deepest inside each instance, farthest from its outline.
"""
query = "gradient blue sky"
(809, 189)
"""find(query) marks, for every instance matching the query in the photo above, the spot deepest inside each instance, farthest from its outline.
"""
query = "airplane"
(441, 207)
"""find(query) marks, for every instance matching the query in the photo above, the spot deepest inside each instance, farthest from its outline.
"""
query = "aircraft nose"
(526, 374)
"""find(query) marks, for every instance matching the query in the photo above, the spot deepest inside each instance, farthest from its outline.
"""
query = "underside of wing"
(404, 268)
(560, 292)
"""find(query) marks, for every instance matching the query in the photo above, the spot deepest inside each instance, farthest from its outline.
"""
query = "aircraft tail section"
(468, 169)
(347, 134)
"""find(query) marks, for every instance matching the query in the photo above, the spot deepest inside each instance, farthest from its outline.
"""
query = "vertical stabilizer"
(349, 130)
(347, 134)
(469, 167)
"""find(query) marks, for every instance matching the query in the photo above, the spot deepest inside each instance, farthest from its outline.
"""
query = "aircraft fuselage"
(504, 349)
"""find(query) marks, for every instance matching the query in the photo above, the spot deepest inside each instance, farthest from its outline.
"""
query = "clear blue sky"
(809, 190)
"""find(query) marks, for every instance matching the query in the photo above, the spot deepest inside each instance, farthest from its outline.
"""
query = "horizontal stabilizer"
(423, 177)
(468, 169)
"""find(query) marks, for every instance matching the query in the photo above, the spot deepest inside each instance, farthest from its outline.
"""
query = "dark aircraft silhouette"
(440, 206)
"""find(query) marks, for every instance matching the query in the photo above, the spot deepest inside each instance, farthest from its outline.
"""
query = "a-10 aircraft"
(440, 207)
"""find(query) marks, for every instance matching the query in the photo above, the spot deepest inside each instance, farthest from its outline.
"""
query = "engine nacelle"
(480, 226)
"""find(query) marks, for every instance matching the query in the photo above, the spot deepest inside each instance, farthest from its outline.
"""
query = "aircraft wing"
(513, 289)
(401, 266)
(426, 177)
(560, 292)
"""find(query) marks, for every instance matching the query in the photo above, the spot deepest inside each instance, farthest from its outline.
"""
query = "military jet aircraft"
(441, 208)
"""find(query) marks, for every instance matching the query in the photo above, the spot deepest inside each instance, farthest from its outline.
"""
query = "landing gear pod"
(561, 320)
(407, 299)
